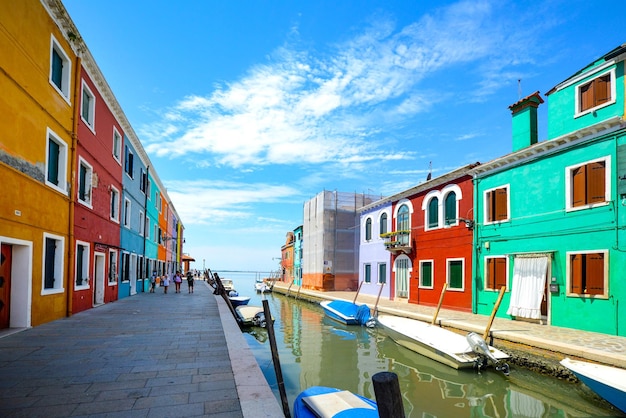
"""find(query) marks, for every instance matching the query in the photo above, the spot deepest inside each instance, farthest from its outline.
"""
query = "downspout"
(475, 247)
(70, 247)
(147, 274)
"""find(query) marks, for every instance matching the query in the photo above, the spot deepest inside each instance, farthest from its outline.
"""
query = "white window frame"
(62, 163)
(146, 229)
(420, 282)
(115, 205)
(365, 227)
(90, 119)
(444, 195)
(577, 111)
(455, 289)
(59, 265)
(88, 183)
(426, 204)
(508, 205)
(112, 281)
(569, 185)
(86, 266)
(378, 273)
(142, 223)
(117, 146)
(66, 76)
(568, 275)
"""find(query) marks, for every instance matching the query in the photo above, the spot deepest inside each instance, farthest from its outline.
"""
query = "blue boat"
(608, 382)
(320, 401)
(346, 312)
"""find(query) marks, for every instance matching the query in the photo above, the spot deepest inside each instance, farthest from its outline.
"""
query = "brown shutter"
(491, 273)
(500, 272)
(489, 205)
(586, 97)
(602, 89)
(576, 273)
(594, 274)
(595, 182)
(501, 204)
(579, 197)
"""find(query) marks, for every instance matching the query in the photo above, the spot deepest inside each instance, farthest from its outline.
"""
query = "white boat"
(439, 344)
(262, 286)
(228, 285)
(250, 315)
(608, 382)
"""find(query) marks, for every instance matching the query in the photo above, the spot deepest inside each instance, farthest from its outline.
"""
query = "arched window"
(403, 223)
(450, 209)
(368, 229)
(433, 213)
(383, 223)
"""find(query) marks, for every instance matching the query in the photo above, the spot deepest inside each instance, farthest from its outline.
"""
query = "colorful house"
(551, 215)
(297, 256)
(374, 259)
(286, 258)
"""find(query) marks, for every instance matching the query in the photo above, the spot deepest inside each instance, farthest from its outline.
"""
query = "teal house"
(551, 215)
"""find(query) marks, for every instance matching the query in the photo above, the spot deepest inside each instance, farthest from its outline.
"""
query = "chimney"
(525, 121)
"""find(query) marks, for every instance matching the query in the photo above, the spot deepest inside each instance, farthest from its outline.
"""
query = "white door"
(132, 274)
(98, 278)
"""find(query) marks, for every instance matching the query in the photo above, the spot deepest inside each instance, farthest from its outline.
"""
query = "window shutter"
(489, 205)
(53, 162)
(427, 274)
(82, 176)
(576, 273)
(50, 260)
(85, 107)
(602, 89)
(383, 223)
(499, 272)
(382, 273)
(433, 213)
(368, 273)
(594, 274)
(450, 208)
(501, 204)
(586, 97)
(456, 274)
(79, 264)
(57, 69)
(368, 229)
(579, 176)
(595, 182)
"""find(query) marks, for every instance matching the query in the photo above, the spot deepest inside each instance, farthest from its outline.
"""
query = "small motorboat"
(347, 313)
(262, 286)
(442, 345)
(608, 382)
(228, 285)
(250, 316)
(320, 401)
(238, 300)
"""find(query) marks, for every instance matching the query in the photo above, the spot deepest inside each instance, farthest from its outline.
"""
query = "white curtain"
(529, 282)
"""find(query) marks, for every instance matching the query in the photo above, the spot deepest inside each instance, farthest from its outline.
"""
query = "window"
(147, 228)
(54, 248)
(403, 223)
(81, 277)
(588, 273)
(127, 212)
(450, 209)
(156, 237)
(588, 185)
(382, 273)
(495, 273)
(596, 93)
(143, 181)
(368, 229)
(117, 145)
(142, 223)
(88, 107)
(125, 267)
(455, 274)
(115, 204)
(85, 174)
(112, 266)
(56, 162)
(426, 274)
(383, 223)
(129, 162)
(367, 273)
(497, 205)
(60, 69)
(433, 213)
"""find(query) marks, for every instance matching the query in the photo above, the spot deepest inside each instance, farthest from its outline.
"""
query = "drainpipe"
(70, 247)
(475, 248)
(147, 273)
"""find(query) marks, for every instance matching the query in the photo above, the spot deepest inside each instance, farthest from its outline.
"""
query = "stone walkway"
(149, 355)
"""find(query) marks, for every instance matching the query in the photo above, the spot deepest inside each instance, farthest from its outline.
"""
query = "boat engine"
(259, 320)
(480, 347)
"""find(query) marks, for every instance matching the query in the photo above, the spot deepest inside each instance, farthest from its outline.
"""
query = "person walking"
(190, 282)
(178, 279)
(166, 282)
(153, 281)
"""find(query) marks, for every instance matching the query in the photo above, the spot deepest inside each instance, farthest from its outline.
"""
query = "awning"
(186, 257)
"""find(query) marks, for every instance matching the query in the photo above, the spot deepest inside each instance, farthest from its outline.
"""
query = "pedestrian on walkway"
(153, 281)
(190, 282)
(178, 279)
(166, 282)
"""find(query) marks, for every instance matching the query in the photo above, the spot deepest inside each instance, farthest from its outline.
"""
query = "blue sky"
(247, 109)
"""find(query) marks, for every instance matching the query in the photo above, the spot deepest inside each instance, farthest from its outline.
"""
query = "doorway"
(98, 278)
(16, 272)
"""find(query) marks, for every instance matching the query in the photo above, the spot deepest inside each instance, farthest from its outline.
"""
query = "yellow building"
(38, 73)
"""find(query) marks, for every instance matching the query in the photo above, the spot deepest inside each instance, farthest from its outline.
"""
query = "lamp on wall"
(468, 222)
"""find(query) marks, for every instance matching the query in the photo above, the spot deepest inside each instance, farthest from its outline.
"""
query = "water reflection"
(317, 351)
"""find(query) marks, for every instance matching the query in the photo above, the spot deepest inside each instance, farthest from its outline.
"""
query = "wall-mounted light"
(469, 224)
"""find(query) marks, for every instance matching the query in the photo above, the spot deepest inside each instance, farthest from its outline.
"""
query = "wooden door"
(6, 252)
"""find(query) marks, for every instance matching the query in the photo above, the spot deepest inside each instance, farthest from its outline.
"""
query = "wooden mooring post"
(388, 395)
(275, 359)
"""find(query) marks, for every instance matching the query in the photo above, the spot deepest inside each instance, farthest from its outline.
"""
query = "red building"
(431, 241)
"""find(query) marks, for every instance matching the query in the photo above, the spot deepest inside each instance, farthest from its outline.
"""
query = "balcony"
(397, 242)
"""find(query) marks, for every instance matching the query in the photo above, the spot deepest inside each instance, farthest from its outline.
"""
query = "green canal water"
(317, 351)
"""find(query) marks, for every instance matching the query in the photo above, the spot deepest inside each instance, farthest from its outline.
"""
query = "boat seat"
(331, 404)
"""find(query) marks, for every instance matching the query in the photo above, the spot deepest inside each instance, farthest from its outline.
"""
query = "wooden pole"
(388, 395)
(378, 298)
(443, 291)
(289, 288)
(493, 313)
(279, 374)
(357, 292)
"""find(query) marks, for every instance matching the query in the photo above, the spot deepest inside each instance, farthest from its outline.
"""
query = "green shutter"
(427, 274)
(53, 162)
(455, 274)
(450, 208)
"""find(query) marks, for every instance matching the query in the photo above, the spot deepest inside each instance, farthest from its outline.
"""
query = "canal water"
(317, 351)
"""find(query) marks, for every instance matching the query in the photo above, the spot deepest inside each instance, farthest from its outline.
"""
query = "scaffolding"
(330, 240)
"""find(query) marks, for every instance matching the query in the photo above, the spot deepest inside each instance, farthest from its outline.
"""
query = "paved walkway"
(149, 355)
(603, 348)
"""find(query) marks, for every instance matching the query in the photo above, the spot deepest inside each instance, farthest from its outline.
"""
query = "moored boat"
(438, 343)
(262, 286)
(320, 401)
(346, 312)
(250, 315)
(239, 300)
(608, 382)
